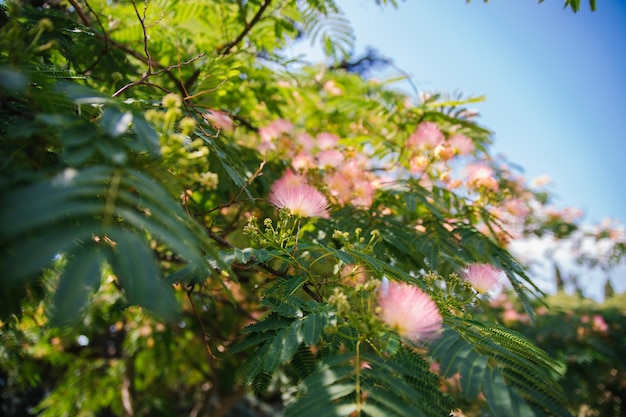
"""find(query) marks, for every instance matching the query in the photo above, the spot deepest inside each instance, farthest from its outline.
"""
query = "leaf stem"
(109, 207)
(357, 372)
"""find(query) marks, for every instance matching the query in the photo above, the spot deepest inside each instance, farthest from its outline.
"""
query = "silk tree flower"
(305, 141)
(461, 144)
(363, 194)
(352, 183)
(302, 199)
(303, 161)
(275, 129)
(480, 175)
(220, 120)
(329, 158)
(408, 310)
(418, 164)
(271, 133)
(327, 140)
(426, 136)
(482, 277)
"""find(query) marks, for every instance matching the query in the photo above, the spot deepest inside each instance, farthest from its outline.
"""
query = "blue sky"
(555, 82)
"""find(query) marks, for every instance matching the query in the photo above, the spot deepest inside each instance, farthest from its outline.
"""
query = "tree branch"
(225, 50)
(81, 13)
(151, 74)
(142, 20)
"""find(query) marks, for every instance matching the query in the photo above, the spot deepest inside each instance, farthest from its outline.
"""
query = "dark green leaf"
(135, 266)
(80, 277)
(115, 122)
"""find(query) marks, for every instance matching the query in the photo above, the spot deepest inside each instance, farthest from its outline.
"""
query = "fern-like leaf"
(330, 27)
(516, 377)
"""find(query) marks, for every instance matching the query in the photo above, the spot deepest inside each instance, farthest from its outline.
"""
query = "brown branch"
(313, 295)
(225, 50)
(81, 13)
(151, 74)
(127, 387)
(104, 32)
(205, 335)
(145, 33)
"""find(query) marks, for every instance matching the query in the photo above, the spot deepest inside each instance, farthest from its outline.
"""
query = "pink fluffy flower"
(408, 310)
(327, 140)
(483, 277)
(275, 129)
(418, 164)
(363, 194)
(461, 144)
(599, 325)
(329, 158)
(480, 175)
(302, 161)
(302, 199)
(427, 136)
(305, 141)
(220, 120)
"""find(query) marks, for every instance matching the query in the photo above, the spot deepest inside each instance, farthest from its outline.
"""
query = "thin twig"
(205, 335)
(241, 190)
(151, 74)
(209, 91)
(97, 16)
(225, 50)
(142, 20)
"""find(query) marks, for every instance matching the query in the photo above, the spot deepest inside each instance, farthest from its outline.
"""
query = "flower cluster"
(346, 174)
(431, 154)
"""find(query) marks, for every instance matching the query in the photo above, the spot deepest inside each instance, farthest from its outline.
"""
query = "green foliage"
(502, 364)
(588, 338)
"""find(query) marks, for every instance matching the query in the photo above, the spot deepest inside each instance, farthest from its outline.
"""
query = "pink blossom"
(443, 152)
(290, 179)
(426, 136)
(275, 129)
(329, 158)
(599, 325)
(517, 207)
(302, 161)
(331, 88)
(265, 146)
(541, 181)
(220, 120)
(480, 175)
(461, 144)
(327, 140)
(570, 214)
(340, 187)
(305, 141)
(454, 183)
(511, 316)
(418, 164)
(408, 310)
(500, 301)
(302, 199)
(363, 194)
(483, 277)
